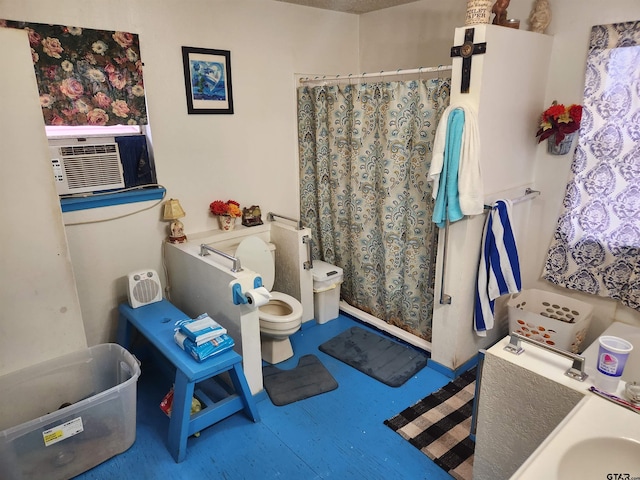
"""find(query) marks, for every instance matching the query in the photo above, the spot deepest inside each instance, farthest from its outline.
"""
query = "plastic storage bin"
(62, 417)
(326, 290)
(550, 318)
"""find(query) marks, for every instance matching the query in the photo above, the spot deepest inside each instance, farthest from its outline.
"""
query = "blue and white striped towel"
(499, 268)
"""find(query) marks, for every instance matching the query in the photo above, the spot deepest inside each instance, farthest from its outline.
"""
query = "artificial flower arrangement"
(560, 121)
(230, 208)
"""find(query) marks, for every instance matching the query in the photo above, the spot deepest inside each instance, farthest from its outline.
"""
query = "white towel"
(499, 268)
(470, 186)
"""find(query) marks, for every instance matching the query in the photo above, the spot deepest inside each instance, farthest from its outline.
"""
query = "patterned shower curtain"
(365, 152)
(596, 245)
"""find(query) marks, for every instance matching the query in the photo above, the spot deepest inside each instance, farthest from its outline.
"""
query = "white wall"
(388, 40)
(40, 316)
(413, 35)
(250, 156)
(571, 26)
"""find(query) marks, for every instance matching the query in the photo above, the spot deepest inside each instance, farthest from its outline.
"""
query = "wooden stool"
(156, 322)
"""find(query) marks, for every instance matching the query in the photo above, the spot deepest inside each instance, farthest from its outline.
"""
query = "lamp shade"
(173, 210)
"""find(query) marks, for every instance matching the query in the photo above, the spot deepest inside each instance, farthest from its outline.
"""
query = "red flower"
(230, 208)
(560, 121)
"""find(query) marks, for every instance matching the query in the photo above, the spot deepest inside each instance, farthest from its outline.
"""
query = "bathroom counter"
(596, 440)
(523, 399)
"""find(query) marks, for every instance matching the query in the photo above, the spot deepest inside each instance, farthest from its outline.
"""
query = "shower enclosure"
(365, 152)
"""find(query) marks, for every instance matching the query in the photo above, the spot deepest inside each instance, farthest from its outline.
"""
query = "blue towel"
(447, 205)
(499, 268)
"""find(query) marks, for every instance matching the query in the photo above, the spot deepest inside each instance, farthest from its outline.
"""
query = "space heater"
(144, 288)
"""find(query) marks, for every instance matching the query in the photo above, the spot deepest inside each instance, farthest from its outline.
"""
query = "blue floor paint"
(338, 435)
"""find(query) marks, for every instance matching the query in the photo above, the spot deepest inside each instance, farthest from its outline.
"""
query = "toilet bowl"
(282, 315)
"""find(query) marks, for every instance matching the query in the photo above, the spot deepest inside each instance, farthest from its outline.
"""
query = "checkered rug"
(439, 426)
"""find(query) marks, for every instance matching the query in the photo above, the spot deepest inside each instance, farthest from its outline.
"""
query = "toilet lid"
(255, 255)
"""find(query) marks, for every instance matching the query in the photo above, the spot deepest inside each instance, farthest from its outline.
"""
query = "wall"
(417, 34)
(571, 26)
(250, 156)
(413, 35)
(40, 317)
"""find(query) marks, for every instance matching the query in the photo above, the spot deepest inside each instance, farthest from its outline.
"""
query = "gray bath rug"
(309, 378)
(381, 358)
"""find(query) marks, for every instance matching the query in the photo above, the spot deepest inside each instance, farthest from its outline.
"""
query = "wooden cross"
(466, 50)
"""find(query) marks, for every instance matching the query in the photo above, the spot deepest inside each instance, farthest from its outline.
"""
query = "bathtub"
(200, 284)
(632, 367)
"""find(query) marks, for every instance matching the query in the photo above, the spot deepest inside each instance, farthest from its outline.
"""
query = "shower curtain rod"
(419, 71)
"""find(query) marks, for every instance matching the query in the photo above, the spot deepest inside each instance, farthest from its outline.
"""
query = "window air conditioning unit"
(88, 164)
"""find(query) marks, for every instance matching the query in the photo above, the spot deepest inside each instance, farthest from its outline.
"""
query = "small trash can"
(326, 290)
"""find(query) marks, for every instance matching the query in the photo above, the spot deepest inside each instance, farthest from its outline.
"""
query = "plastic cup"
(612, 357)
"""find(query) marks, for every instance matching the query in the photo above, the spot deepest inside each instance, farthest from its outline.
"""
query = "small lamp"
(172, 212)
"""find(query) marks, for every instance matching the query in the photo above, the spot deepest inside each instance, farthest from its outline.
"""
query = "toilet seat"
(282, 315)
(280, 320)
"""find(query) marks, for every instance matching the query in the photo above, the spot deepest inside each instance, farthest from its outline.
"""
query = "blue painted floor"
(338, 435)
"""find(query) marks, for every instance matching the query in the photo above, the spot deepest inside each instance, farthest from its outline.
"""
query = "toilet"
(282, 316)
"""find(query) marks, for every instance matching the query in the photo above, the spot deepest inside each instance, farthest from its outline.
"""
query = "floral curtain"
(596, 245)
(86, 77)
(364, 158)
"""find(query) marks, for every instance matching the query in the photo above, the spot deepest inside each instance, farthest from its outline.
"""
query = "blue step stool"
(156, 322)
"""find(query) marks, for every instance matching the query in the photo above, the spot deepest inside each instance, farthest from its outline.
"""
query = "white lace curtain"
(596, 244)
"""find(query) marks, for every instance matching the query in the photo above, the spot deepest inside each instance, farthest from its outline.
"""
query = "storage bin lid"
(323, 271)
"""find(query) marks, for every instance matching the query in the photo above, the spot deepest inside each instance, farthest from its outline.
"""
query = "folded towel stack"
(202, 337)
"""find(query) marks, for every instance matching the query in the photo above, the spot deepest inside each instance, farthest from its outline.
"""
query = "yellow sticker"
(60, 432)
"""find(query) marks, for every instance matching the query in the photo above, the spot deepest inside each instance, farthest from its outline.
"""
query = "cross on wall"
(466, 51)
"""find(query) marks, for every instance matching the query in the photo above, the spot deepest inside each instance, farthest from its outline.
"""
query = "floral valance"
(85, 76)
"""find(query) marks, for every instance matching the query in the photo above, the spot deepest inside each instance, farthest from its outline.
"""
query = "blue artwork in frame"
(207, 78)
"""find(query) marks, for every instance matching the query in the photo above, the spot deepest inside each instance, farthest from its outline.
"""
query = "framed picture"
(207, 79)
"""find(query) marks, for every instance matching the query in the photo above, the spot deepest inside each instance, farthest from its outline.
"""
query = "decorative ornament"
(540, 16)
(478, 12)
(251, 216)
(500, 9)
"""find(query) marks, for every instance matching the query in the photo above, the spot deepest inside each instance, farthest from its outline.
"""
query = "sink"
(595, 440)
(599, 457)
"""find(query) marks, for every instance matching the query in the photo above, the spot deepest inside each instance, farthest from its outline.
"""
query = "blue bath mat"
(307, 379)
(381, 358)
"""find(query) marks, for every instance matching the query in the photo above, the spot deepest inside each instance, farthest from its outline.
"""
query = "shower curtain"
(596, 245)
(365, 153)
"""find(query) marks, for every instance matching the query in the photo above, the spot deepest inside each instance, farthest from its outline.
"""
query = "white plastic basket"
(550, 318)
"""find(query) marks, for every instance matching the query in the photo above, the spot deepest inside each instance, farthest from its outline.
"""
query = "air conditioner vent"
(88, 149)
(86, 165)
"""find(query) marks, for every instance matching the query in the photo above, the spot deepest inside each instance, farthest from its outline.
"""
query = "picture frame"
(207, 79)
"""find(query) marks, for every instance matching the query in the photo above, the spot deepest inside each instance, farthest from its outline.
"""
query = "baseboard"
(453, 373)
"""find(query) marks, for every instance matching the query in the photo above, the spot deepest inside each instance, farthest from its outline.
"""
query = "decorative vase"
(561, 148)
(226, 222)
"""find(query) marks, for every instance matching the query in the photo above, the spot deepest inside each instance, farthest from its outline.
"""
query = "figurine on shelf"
(251, 216)
(540, 16)
(500, 9)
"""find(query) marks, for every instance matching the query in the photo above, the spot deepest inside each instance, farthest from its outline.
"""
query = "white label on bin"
(59, 433)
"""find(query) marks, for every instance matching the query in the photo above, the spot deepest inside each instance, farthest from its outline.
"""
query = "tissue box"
(62, 417)
(549, 318)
